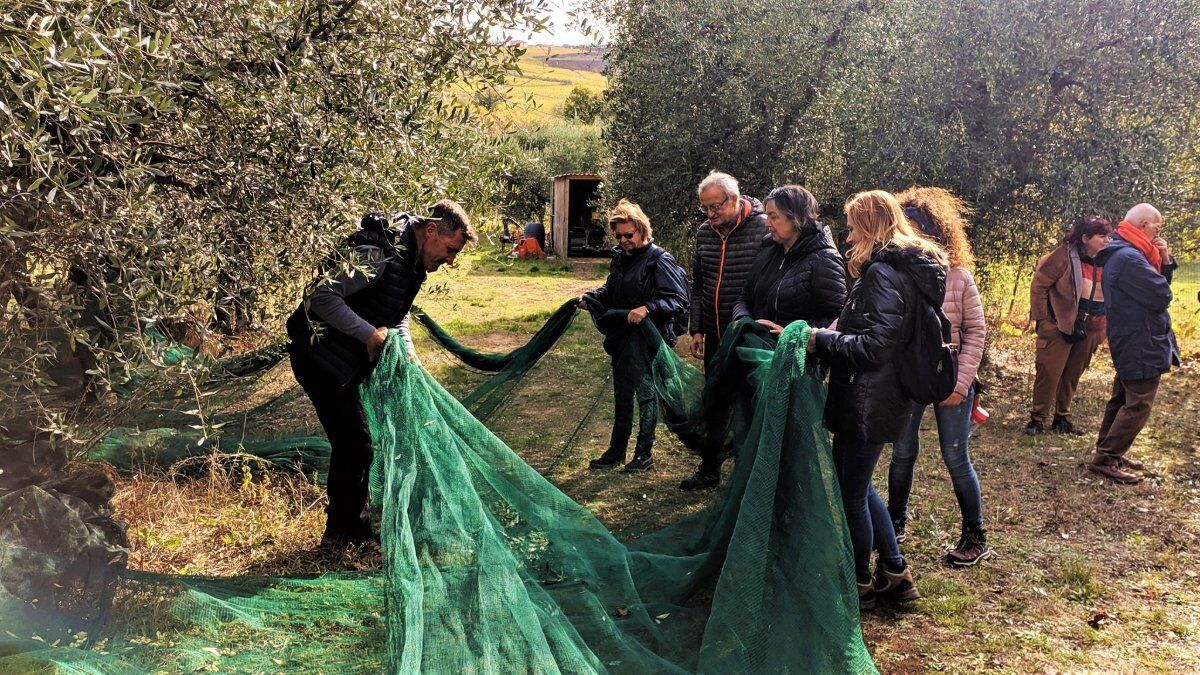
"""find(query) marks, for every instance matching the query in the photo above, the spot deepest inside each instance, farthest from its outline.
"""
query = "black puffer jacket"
(648, 276)
(398, 275)
(865, 399)
(720, 265)
(807, 282)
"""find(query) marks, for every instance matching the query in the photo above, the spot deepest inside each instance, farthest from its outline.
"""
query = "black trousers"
(710, 463)
(341, 415)
(630, 384)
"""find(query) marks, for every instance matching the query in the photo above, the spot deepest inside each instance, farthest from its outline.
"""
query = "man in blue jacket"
(1137, 270)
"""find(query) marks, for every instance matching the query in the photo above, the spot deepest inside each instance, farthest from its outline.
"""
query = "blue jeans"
(954, 430)
(866, 516)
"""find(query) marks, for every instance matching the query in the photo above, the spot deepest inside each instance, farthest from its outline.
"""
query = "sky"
(564, 30)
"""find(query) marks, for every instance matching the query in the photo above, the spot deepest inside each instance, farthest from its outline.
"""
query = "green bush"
(532, 157)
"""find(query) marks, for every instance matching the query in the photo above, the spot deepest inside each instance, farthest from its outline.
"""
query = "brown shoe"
(1131, 464)
(895, 586)
(1110, 467)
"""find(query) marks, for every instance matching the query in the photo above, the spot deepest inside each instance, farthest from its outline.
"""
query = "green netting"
(173, 354)
(508, 367)
(157, 446)
(129, 449)
(487, 567)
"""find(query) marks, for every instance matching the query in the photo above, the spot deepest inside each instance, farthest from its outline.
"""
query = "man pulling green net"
(487, 567)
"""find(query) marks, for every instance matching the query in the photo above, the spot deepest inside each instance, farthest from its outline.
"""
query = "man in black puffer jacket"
(800, 275)
(337, 331)
(726, 245)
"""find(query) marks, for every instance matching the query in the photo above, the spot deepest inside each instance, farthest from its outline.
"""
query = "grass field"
(1088, 576)
(548, 74)
(1006, 300)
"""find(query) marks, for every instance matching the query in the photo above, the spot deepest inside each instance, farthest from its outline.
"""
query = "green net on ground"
(487, 567)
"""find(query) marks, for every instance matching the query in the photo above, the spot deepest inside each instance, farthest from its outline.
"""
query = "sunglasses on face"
(623, 235)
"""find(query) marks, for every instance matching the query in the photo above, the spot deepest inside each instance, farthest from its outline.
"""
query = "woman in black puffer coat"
(892, 267)
(800, 275)
(647, 282)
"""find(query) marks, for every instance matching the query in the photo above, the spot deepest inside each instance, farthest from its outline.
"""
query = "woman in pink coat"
(940, 216)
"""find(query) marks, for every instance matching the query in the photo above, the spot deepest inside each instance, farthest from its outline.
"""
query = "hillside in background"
(548, 74)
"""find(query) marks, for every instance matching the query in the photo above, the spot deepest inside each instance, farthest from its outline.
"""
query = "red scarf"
(1139, 239)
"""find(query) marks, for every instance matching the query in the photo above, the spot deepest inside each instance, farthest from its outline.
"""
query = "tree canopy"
(1035, 111)
(179, 158)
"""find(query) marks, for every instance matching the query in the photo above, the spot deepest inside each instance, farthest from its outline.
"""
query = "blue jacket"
(1139, 326)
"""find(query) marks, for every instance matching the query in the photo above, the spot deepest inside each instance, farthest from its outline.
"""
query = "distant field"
(548, 74)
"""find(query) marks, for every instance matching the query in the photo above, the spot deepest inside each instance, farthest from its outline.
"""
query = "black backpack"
(928, 363)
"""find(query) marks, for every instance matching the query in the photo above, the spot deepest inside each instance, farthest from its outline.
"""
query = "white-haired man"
(1137, 291)
(727, 242)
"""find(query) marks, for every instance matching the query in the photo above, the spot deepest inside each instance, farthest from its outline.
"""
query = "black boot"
(610, 459)
(1063, 426)
(708, 475)
(340, 535)
(1034, 428)
(642, 461)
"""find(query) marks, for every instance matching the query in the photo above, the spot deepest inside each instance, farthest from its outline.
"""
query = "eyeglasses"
(623, 235)
(712, 208)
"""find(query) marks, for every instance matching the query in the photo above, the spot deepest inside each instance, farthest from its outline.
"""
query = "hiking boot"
(895, 586)
(972, 547)
(610, 459)
(1063, 426)
(1131, 464)
(345, 536)
(867, 598)
(701, 480)
(639, 463)
(1034, 428)
(1110, 467)
(899, 525)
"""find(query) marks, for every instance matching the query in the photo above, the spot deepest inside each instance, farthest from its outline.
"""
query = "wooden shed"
(577, 227)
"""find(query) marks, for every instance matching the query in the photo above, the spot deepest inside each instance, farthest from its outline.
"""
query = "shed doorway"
(578, 229)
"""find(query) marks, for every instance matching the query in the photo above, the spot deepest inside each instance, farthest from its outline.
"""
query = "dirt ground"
(1088, 576)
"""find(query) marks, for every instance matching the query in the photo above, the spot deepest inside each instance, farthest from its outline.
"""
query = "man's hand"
(1161, 245)
(583, 301)
(697, 345)
(776, 329)
(376, 342)
(636, 315)
(953, 400)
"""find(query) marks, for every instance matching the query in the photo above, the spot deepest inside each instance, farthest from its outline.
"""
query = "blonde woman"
(645, 280)
(939, 215)
(890, 264)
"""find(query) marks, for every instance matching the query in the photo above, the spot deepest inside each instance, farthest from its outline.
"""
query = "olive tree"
(196, 157)
(1035, 111)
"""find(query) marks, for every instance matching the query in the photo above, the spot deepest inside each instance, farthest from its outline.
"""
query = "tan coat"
(1055, 291)
(968, 328)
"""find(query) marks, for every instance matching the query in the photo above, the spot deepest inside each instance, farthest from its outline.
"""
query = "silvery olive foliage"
(161, 159)
(1033, 110)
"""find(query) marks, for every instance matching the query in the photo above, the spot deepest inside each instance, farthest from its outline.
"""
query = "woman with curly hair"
(644, 280)
(939, 215)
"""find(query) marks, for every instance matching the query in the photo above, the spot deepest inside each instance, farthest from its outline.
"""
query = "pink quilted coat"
(967, 325)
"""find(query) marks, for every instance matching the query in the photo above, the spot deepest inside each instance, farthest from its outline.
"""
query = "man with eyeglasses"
(727, 242)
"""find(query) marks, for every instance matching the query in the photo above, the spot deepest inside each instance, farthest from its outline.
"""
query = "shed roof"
(572, 176)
